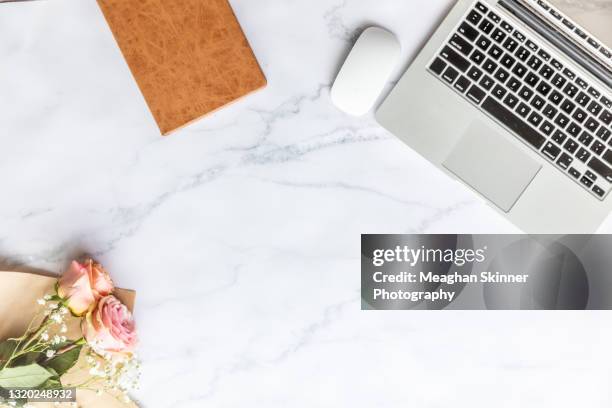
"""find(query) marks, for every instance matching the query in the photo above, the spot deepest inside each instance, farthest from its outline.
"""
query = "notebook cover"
(189, 57)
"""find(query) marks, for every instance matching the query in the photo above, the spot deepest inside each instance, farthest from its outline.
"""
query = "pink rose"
(82, 284)
(99, 279)
(109, 326)
(75, 287)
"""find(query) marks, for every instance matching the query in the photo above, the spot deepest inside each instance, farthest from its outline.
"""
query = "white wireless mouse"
(365, 71)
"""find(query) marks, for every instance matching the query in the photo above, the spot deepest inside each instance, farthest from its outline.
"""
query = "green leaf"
(52, 383)
(29, 376)
(61, 363)
(27, 359)
(6, 350)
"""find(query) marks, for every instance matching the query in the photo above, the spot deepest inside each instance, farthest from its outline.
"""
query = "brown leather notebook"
(189, 57)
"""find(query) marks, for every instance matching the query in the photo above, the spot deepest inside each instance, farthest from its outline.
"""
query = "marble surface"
(241, 233)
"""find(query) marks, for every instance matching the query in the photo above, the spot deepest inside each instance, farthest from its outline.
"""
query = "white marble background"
(241, 233)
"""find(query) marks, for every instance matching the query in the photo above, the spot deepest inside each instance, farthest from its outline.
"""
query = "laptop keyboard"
(522, 84)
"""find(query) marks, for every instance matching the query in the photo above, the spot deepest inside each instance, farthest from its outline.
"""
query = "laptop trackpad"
(492, 165)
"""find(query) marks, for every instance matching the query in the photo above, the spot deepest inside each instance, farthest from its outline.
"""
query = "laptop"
(513, 99)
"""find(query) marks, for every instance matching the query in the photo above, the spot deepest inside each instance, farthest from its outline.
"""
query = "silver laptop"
(513, 99)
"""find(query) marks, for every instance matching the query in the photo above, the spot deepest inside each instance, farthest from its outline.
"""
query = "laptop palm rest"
(492, 165)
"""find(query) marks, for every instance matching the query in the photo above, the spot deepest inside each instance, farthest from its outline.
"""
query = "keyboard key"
(598, 148)
(562, 121)
(476, 94)
(583, 99)
(544, 5)
(525, 93)
(583, 155)
(499, 91)
(506, 27)
(608, 157)
(461, 45)
(585, 139)
(547, 71)
(568, 24)
(586, 181)
(513, 122)
(599, 191)
(549, 111)
(532, 46)
(468, 31)
(474, 17)
(600, 168)
(591, 125)
(483, 42)
(522, 53)
(519, 70)
(551, 150)
(590, 175)
(495, 52)
(455, 58)
(531, 79)
(537, 102)
(546, 128)
(482, 8)
(486, 82)
(534, 63)
(594, 93)
(486, 26)
(606, 117)
(555, 63)
(568, 106)
(555, 97)
(558, 81)
(570, 74)
(535, 119)
(573, 129)
(498, 35)
(508, 61)
(543, 89)
(437, 66)
(523, 110)
(607, 103)
(514, 84)
(462, 84)
(477, 57)
(511, 100)
(559, 137)
(570, 90)
(489, 66)
(570, 146)
(579, 116)
(502, 75)
(605, 52)
(603, 134)
(565, 160)
(581, 34)
(544, 55)
(510, 44)
(581, 83)
(494, 17)
(594, 108)
(519, 36)
(574, 173)
(556, 14)
(474, 73)
(450, 75)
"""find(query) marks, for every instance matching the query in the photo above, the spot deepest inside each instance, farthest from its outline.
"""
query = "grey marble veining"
(241, 233)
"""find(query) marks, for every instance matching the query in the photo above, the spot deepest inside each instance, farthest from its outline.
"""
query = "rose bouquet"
(81, 323)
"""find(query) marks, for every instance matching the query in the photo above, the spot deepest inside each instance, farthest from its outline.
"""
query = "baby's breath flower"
(57, 339)
(47, 297)
(64, 310)
(50, 353)
(57, 318)
(41, 301)
(44, 335)
(64, 328)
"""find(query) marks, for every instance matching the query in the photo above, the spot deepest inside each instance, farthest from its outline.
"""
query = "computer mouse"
(365, 71)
